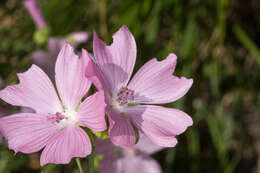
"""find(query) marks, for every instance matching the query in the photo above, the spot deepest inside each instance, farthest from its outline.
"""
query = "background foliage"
(216, 43)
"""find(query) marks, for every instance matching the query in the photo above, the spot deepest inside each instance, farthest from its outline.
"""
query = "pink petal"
(144, 164)
(27, 132)
(155, 84)
(92, 112)
(160, 124)
(92, 71)
(70, 77)
(35, 90)
(146, 146)
(68, 143)
(117, 60)
(121, 131)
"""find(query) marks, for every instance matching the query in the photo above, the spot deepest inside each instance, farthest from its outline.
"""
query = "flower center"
(63, 120)
(122, 98)
(56, 118)
(124, 95)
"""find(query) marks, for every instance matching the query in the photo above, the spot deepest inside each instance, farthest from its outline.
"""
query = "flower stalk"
(79, 165)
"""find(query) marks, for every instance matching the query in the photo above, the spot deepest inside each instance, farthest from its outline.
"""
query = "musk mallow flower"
(128, 159)
(130, 102)
(56, 124)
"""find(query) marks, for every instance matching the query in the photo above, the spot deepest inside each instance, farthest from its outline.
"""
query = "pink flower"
(34, 10)
(130, 102)
(128, 160)
(56, 124)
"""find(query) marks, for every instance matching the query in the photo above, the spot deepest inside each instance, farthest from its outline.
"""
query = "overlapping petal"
(70, 77)
(121, 131)
(92, 112)
(158, 123)
(35, 90)
(27, 132)
(93, 73)
(155, 84)
(146, 146)
(68, 143)
(117, 60)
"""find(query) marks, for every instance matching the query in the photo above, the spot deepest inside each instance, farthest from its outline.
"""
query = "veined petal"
(68, 143)
(121, 132)
(155, 84)
(92, 112)
(35, 90)
(70, 77)
(93, 72)
(158, 123)
(117, 60)
(27, 132)
(96, 76)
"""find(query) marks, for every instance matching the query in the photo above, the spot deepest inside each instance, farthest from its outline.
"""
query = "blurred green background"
(217, 43)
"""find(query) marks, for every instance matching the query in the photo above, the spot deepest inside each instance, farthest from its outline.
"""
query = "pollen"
(64, 119)
(124, 96)
(56, 118)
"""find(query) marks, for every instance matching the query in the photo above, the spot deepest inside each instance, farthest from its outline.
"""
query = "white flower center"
(64, 119)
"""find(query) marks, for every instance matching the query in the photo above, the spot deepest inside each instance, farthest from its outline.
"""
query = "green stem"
(79, 165)
(90, 160)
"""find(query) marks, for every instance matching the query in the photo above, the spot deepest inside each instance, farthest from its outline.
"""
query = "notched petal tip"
(123, 29)
(117, 60)
(71, 81)
(96, 38)
(34, 90)
(172, 58)
(160, 124)
(154, 82)
(67, 46)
